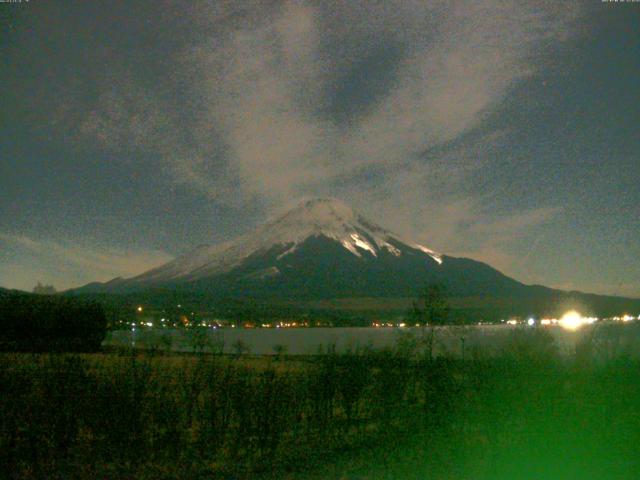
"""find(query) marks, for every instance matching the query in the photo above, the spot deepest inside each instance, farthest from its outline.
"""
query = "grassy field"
(393, 414)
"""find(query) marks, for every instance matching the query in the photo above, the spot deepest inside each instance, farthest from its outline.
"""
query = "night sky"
(507, 132)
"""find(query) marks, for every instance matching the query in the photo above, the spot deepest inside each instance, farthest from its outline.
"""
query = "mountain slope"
(326, 218)
(319, 249)
(322, 249)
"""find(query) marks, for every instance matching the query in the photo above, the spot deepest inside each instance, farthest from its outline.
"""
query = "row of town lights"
(572, 320)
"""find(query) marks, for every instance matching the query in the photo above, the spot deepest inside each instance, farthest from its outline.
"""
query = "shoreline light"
(572, 320)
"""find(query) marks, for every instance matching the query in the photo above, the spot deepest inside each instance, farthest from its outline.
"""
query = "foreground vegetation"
(48, 323)
(526, 413)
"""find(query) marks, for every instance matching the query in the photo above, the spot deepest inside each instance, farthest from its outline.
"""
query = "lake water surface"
(309, 341)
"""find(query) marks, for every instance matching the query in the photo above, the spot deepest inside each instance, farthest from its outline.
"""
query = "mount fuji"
(323, 250)
(282, 240)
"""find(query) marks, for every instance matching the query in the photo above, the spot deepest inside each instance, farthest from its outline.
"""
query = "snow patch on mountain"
(291, 249)
(359, 242)
(436, 256)
(264, 274)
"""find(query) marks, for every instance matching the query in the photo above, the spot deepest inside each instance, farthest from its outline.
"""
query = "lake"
(612, 339)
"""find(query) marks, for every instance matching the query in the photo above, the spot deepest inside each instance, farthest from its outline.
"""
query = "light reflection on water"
(308, 341)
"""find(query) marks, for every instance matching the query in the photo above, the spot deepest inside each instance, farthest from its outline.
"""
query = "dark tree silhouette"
(431, 308)
(50, 323)
(44, 289)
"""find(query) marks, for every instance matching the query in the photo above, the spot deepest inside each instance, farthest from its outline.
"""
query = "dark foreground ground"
(526, 414)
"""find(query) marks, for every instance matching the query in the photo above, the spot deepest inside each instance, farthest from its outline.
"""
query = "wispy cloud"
(374, 103)
(260, 87)
(621, 289)
(67, 264)
(491, 239)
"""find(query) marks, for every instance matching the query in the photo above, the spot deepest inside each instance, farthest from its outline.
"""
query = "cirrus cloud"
(67, 264)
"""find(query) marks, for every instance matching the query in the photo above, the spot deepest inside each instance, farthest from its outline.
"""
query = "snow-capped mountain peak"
(321, 217)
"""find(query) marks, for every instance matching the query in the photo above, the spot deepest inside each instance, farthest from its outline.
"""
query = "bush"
(208, 416)
(47, 323)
